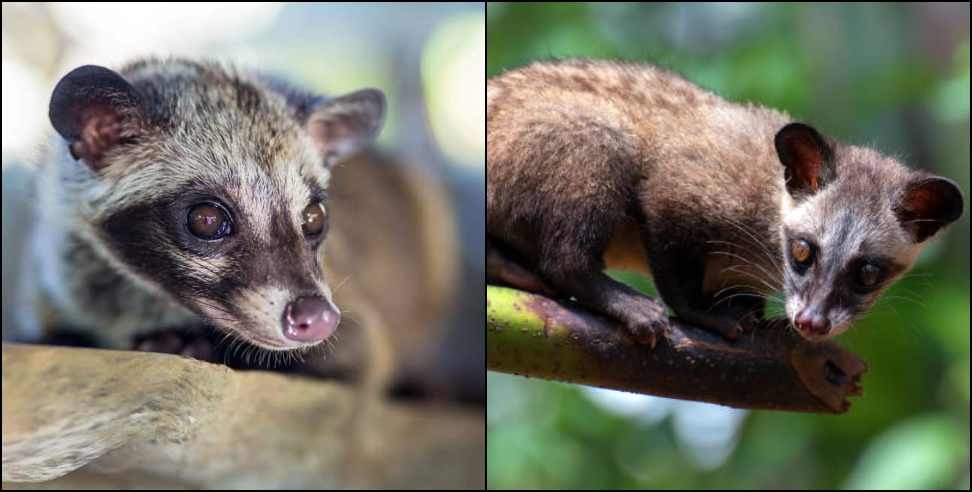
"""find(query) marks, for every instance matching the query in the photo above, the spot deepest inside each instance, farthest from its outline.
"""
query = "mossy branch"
(769, 368)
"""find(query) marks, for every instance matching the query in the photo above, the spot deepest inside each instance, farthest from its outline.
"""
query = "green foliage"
(886, 75)
(924, 452)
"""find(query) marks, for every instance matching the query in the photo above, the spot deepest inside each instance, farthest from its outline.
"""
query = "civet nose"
(812, 321)
(310, 319)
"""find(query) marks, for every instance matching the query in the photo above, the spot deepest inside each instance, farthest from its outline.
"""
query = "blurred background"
(892, 76)
(429, 59)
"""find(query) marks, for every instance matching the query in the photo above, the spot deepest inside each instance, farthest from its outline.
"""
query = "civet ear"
(94, 109)
(344, 125)
(807, 159)
(927, 205)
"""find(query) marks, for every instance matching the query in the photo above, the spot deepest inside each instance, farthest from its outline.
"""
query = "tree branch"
(770, 368)
(114, 419)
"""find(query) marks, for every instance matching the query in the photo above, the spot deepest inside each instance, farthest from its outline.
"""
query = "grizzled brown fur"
(139, 147)
(594, 164)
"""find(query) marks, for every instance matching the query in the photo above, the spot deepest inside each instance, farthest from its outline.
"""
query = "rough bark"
(98, 418)
(768, 368)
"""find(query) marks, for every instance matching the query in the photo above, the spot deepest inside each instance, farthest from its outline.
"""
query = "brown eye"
(208, 222)
(868, 275)
(315, 218)
(801, 251)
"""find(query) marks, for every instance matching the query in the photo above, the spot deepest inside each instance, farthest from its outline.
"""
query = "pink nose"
(812, 321)
(310, 319)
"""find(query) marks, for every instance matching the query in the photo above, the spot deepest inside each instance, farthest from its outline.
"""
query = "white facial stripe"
(254, 200)
(291, 176)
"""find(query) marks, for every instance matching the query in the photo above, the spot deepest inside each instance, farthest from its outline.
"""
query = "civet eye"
(208, 221)
(802, 252)
(315, 218)
(868, 275)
